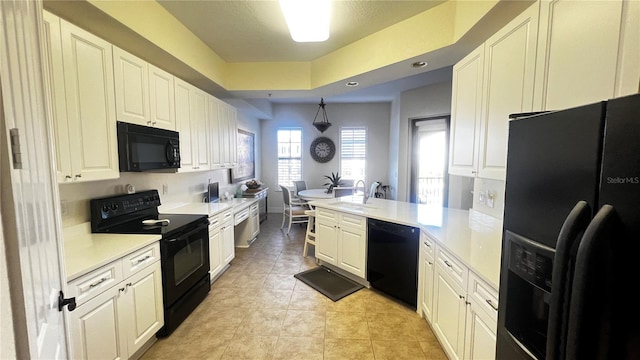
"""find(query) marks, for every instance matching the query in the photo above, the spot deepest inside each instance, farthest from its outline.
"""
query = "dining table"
(314, 194)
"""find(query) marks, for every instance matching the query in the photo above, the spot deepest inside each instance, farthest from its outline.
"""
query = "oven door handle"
(189, 233)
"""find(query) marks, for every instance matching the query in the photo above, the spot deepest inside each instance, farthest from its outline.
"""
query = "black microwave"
(142, 148)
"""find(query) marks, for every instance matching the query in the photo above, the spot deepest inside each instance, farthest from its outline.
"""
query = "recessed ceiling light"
(419, 64)
(353, 83)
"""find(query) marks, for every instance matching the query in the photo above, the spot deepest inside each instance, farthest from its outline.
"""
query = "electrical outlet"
(165, 189)
(482, 197)
(491, 196)
(64, 208)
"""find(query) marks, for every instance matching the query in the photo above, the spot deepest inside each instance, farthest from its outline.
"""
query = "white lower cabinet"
(117, 322)
(461, 307)
(341, 240)
(221, 242)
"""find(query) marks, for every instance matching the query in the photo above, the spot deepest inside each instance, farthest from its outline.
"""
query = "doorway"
(430, 154)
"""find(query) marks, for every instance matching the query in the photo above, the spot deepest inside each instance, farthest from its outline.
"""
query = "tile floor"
(258, 310)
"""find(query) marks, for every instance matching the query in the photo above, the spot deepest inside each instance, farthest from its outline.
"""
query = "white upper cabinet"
(191, 122)
(215, 145)
(490, 83)
(144, 93)
(466, 107)
(584, 52)
(90, 106)
(509, 69)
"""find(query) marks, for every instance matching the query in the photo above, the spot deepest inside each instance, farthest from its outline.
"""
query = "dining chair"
(342, 191)
(300, 185)
(310, 236)
(293, 210)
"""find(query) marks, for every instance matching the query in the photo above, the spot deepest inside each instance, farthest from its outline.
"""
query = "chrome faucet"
(365, 195)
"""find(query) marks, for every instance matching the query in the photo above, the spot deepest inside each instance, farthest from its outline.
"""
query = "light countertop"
(473, 237)
(85, 251)
(210, 209)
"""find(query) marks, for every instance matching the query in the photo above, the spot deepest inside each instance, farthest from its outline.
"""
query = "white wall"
(375, 116)
(422, 102)
(183, 187)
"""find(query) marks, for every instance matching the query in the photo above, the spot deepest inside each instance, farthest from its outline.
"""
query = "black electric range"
(184, 247)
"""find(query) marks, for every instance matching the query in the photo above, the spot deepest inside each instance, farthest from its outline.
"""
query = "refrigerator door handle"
(592, 290)
(568, 241)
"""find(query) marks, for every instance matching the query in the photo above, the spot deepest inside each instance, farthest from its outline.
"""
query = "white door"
(29, 193)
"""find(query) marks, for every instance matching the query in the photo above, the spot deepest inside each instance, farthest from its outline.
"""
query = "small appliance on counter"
(184, 247)
(213, 193)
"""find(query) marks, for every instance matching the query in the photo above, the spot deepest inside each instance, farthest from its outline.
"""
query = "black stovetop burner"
(124, 214)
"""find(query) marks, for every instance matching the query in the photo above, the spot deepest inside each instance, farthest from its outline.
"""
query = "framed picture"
(246, 167)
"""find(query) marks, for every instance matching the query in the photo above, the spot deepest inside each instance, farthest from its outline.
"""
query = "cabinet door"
(351, 251)
(184, 125)
(224, 128)
(132, 88)
(579, 43)
(91, 108)
(215, 144)
(233, 135)
(94, 327)
(199, 128)
(427, 287)
(327, 242)
(58, 106)
(480, 335)
(449, 314)
(509, 66)
(161, 99)
(215, 251)
(255, 221)
(228, 244)
(143, 313)
(466, 109)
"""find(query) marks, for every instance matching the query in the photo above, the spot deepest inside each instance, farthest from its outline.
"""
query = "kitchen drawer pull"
(429, 262)
(491, 304)
(447, 263)
(426, 243)
(143, 259)
(461, 297)
(98, 282)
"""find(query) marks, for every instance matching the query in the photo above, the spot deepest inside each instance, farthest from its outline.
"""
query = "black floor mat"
(330, 284)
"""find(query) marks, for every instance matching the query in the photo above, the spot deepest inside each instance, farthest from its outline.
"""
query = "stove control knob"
(114, 206)
(105, 207)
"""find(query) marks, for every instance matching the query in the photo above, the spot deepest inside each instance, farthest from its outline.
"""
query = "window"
(289, 156)
(353, 152)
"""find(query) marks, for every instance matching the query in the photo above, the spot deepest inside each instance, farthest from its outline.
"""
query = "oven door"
(185, 261)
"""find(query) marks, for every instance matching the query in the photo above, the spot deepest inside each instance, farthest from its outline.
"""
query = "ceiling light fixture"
(353, 83)
(419, 64)
(324, 123)
(308, 20)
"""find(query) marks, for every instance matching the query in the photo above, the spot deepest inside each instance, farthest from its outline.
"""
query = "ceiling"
(256, 31)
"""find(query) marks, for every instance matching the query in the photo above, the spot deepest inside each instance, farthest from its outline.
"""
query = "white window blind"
(353, 152)
(289, 156)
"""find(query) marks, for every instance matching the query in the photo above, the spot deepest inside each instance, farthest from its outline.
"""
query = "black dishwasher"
(392, 259)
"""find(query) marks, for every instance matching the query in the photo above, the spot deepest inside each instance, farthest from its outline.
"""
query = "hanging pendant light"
(324, 123)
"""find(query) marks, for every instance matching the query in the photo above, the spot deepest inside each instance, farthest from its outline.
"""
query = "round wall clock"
(322, 149)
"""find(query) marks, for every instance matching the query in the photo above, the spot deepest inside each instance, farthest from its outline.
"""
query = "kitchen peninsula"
(458, 262)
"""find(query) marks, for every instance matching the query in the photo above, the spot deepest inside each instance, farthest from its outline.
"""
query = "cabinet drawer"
(483, 295)
(254, 209)
(140, 259)
(214, 221)
(452, 267)
(326, 214)
(92, 284)
(226, 216)
(241, 216)
(353, 221)
(428, 246)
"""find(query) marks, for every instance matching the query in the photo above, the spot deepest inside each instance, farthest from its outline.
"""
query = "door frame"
(413, 172)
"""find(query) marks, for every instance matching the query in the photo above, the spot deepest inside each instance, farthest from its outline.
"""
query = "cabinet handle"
(143, 259)
(474, 172)
(149, 122)
(153, 123)
(427, 244)
(68, 177)
(129, 285)
(461, 297)
(121, 289)
(97, 282)
(447, 263)
(429, 262)
(78, 176)
(491, 304)
(467, 303)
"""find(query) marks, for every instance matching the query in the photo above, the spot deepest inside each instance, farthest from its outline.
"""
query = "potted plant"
(334, 180)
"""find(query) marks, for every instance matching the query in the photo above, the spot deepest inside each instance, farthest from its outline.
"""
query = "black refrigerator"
(570, 248)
